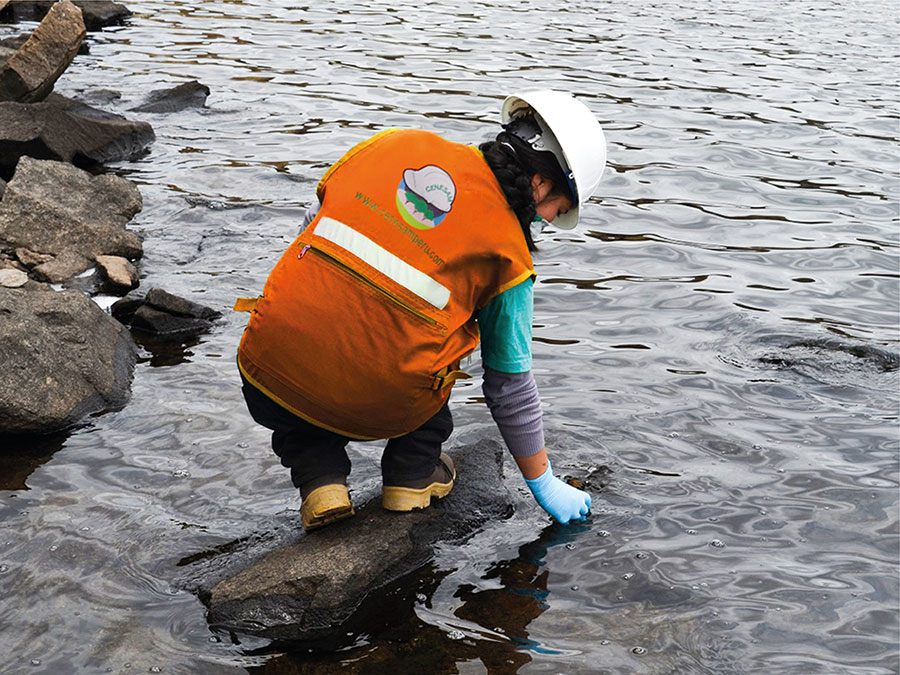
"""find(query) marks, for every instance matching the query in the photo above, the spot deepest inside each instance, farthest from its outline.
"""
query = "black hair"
(514, 162)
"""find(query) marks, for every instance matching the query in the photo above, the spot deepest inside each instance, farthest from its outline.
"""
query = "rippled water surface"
(716, 345)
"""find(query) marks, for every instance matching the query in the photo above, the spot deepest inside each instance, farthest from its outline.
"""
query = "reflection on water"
(716, 345)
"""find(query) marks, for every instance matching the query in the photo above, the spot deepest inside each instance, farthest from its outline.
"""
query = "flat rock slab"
(162, 315)
(62, 357)
(65, 130)
(53, 207)
(30, 73)
(308, 590)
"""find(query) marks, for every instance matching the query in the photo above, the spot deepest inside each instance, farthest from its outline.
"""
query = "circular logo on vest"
(425, 196)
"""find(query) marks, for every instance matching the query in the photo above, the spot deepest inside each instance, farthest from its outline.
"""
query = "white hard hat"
(579, 146)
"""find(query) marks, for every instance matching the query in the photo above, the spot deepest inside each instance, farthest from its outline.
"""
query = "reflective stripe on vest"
(384, 261)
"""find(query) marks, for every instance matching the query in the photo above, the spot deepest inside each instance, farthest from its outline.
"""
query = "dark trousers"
(311, 452)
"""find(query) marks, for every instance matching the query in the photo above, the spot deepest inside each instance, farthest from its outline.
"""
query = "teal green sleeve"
(505, 327)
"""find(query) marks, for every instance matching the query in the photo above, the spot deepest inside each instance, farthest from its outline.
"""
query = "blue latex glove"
(559, 499)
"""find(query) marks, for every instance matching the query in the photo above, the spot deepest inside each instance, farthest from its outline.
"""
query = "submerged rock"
(54, 208)
(163, 315)
(65, 130)
(310, 589)
(62, 357)
(187, 95)
(96, 13)
(30, 73)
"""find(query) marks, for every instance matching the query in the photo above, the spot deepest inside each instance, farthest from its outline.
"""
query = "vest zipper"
(371, 284)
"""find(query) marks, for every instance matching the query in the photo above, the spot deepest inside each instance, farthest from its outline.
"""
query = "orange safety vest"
(364, 319)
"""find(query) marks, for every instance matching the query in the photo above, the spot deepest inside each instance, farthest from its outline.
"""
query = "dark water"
(716, 345)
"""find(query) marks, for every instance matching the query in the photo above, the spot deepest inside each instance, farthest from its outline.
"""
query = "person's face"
(547, 202)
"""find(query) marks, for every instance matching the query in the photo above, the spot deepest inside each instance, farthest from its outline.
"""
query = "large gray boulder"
(62, 129)
(30, 73)
(97, 13)
(62, 357)
(310, 589)
(52, 207)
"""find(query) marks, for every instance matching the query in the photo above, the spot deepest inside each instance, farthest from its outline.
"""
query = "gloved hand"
(559, 499)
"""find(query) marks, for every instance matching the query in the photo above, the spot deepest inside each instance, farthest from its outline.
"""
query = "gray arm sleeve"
(310, 214)
(516, 408)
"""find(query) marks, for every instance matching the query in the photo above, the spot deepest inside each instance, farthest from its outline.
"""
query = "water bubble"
(640, 651)
(757, 446)
(456, 635)
(243, 444)
(181, 473)
(692, 531)
(570, 546)
(155, 669)
(603, 533)
(640, 555)
(604, 642)
(717, 543)
(575, 587)
(54, 548)
(215, 638)
(35, 662)
(85, 529)
(628, 575)
(421, 597)
(674, 434)
(4, 568)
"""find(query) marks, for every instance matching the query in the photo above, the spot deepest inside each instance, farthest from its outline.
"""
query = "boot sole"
(406, 499)
(324, 506)
(322, 519)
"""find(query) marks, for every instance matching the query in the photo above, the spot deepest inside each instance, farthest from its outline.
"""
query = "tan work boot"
(325, 505)
(417, 494)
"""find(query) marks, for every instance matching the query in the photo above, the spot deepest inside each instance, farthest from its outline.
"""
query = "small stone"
(63, 267)
(118, 272)
(11, 278)
(31, 258)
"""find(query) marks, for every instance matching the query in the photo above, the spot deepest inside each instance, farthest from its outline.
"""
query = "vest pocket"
(382, 290)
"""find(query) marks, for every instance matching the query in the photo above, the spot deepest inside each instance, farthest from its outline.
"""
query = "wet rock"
(62, 358)
(312, 588)
(187, 95)
(119, 274)
(2, 187)
(12, 278)
(30, 73)
(96, 13)
(163, 315)
(61, 268)
(101, 96)
(62, 129)
(55, 208)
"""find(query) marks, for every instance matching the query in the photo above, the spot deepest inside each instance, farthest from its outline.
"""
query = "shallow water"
(716, 345)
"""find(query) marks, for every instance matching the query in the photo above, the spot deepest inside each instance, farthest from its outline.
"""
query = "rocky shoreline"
(63, 219)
